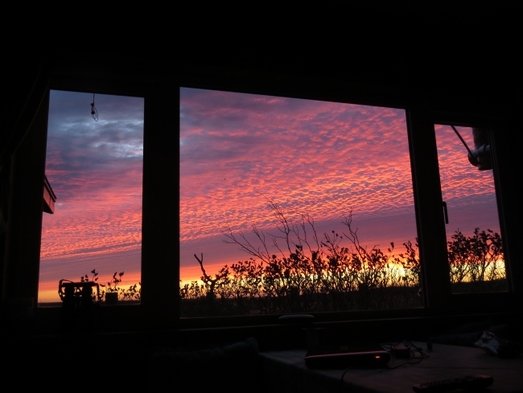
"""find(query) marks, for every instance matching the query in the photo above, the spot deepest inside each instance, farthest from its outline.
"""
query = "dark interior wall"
(437, 59)
(467, 64)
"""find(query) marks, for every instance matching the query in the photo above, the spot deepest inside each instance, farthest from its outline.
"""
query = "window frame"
(47, 186)
(160, 198)
(499, 121)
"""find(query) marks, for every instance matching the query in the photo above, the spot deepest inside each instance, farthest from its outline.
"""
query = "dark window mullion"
(160, 228)
(508, 197)
(429, 212)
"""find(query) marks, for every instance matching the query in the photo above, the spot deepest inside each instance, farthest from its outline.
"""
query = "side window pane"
(292, 205)
(475, 252)
(94, 167)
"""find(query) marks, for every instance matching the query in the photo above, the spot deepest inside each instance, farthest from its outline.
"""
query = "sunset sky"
(95, 169)
(238, 151)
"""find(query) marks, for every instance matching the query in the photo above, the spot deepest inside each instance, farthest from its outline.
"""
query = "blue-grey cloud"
(236, 151)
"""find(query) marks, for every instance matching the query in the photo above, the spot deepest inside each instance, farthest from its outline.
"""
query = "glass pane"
(476, 260)
(94, 166)
(291, 205)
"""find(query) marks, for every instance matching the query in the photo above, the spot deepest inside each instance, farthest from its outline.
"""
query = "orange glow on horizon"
(237, 152)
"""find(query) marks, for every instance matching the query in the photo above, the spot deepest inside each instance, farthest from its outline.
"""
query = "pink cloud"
(316, 157)
(237, 151)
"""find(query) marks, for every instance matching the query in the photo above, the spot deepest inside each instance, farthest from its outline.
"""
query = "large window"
(94, 166)
(293, 205)
(282, 204)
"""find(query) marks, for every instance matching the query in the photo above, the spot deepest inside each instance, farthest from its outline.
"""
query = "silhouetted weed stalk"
(313, 272)
(133, 292)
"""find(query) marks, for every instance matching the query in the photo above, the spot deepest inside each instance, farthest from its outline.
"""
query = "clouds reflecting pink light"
(95, 169)
(237, 151)
(469, 193)
(320, 158)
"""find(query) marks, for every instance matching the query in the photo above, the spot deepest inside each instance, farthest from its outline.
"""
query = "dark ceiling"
(456, 47)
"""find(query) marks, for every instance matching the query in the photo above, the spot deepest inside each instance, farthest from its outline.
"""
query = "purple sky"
(319, 158)
(95, 169)
(237, 152)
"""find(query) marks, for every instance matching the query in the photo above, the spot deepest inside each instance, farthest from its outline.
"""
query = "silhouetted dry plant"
(309, 272)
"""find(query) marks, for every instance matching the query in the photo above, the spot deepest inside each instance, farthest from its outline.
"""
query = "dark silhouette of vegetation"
(98, 296)
(133, 292)
(297, 270)
(307, 273)
(476, 259)
(112, 285)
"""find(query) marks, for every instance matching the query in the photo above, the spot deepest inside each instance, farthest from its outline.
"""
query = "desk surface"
(286, 371)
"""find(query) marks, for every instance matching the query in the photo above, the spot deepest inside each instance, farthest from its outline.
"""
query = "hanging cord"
(480, 156)
(94, 111)
(462, 140)
(415, 355)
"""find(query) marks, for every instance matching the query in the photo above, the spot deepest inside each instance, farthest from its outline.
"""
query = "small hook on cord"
(94, 111)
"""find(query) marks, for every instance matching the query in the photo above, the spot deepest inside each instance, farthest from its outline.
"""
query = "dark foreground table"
(285, 371)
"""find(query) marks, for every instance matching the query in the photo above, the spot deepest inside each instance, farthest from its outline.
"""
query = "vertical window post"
(429, 214)
(160, 229)
(25, 210)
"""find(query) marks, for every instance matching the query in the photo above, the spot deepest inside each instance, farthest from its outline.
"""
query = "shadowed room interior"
(458, 64)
